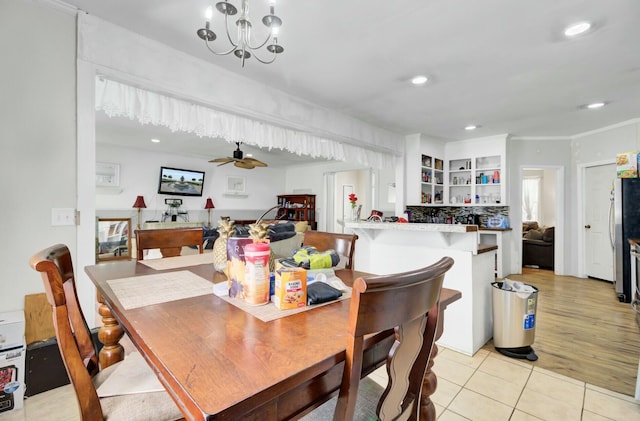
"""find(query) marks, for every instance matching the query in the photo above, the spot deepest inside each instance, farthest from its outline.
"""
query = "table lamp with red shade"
(208, 206)
(139, 204)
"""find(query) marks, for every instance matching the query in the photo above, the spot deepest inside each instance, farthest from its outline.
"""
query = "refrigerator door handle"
(612, 225)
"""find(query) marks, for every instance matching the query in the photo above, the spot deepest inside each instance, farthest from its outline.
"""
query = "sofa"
(538, 246)
(285, 236)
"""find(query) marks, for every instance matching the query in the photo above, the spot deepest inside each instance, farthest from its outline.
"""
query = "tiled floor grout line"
(522, 393)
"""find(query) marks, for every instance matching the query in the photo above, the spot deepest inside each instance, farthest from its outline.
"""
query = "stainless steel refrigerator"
(625, 216)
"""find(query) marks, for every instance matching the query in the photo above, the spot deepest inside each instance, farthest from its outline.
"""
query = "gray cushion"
(533, 235)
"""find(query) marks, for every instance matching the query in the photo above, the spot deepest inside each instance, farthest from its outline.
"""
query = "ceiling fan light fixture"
(576, 29)
(419, 80)
(239, 160)
(244, 46)
(595, 105)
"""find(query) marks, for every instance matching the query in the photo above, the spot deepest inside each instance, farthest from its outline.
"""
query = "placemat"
(178, 261)
(269, 311)
(146, 290)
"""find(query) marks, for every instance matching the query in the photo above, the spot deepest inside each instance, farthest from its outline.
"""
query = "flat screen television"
(180, 182)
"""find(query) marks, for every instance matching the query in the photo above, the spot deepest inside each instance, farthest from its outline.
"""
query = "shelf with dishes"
(431, 180)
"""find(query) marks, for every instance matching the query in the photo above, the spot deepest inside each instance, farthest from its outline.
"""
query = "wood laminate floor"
(583, 331)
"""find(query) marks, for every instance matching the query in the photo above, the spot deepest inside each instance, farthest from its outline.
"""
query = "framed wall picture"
(114, 239)
(107, 174)
(235, 184)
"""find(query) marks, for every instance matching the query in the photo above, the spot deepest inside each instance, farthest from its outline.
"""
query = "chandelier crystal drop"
(244, 46)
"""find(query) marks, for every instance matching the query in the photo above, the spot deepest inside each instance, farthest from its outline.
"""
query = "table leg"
(109, 334)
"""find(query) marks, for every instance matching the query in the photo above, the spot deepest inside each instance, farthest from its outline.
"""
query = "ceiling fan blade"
(244, 164)
(255, 162)
(222, 159)
(225, 163)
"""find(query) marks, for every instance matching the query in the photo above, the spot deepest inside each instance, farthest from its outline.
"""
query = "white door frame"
(581, 200)
(559, 238)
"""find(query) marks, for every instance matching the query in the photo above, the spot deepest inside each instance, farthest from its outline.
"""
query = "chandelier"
(244, 45)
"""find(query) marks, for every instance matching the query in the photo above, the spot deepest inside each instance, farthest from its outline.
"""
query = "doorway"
(542, 216)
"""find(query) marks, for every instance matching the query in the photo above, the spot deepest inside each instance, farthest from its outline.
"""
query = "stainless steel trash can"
(514, 321)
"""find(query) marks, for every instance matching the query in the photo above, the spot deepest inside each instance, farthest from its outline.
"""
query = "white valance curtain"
(118, 99)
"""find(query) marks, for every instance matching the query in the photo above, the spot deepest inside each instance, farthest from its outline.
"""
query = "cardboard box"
(627, 165)
(290, 288)
(12, 378)
(11, 329)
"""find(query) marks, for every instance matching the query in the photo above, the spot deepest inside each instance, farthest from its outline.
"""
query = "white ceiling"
(501, 64)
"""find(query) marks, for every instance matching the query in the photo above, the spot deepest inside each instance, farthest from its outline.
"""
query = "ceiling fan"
(238, 160)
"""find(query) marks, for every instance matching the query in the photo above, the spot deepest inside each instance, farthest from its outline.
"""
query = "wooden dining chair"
(169, 240)
(343, 244)
(79, 353)
(408, 303)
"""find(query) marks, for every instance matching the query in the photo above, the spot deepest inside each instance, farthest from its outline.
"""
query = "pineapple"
(259, 233)
(226, 228)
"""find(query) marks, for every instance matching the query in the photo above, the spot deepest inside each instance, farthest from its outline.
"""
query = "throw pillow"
(302, 226)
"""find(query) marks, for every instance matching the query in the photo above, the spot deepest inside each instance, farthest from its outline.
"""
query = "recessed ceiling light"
(155, 140)
(577, 29)
(471, 127)
(419, 80)
(595, 105)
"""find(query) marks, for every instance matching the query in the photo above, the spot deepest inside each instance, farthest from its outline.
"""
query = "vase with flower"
(355, 209)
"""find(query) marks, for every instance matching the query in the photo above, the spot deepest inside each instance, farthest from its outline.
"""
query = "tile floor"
(487, 386)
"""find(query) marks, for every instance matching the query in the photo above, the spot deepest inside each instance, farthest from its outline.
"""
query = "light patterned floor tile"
(558, 376)
(522, 416)
(612, 393)
(439, 409)
(451, 416)
(452, 371)
(610, 406)
(495, 388)
(512, 360)
(445, 392)
(559, 388)
(546, 407)
(463, 359)
(506, 370)
(590, 416)
(477, 407)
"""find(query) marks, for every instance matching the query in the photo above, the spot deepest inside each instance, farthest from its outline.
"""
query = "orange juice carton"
(236, 265)
(290, 288)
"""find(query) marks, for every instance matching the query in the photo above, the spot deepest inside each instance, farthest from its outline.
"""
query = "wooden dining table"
(219, 362)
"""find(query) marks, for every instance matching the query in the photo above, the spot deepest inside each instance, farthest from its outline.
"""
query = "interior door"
(598, 248)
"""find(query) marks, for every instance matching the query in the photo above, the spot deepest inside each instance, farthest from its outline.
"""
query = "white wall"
(548, 196)
(38, 135)
(311, 178)
(139, 175)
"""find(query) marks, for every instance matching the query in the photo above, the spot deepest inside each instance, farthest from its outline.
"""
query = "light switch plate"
(63, 216)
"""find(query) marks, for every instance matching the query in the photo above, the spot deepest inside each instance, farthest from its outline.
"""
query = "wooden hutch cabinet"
(298, 207)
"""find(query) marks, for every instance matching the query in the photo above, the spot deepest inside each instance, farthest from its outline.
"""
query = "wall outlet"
(63, 216)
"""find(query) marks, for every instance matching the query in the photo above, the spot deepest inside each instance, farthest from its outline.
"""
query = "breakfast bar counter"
(387, 247)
